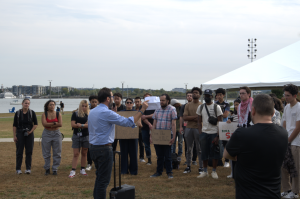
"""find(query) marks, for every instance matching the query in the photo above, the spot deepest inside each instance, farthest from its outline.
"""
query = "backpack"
(18, 115)
(175, 161)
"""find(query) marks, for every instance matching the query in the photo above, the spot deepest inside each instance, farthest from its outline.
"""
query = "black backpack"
(175, 161)
(18, 115)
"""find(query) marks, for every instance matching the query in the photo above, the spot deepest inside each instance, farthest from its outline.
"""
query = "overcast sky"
(146, 43)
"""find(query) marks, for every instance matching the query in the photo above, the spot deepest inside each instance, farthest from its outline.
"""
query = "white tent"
(274, 70)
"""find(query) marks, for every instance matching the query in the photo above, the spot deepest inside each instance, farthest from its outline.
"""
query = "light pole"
(186, 91)
(122, 89)
(50, 87)
(252, 51)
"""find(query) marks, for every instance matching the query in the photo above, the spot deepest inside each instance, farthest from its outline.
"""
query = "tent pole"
(226, 95)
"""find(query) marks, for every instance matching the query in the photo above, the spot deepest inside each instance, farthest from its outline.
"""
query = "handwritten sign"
(161, 137)
(226, 130)
(127, 132)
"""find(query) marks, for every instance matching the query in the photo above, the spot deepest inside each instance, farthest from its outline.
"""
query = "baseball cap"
(208, 92)
(174, 101)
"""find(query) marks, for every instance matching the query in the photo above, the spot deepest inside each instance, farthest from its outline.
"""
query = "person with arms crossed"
(51, 137)
(101, 125)
(94, 103)
(291, 122)
(191, 134)
(259, 179)
(164, 118)
(209, 133)
(189, 98)
(25, 123)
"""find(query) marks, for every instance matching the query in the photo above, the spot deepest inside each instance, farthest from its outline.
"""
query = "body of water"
(38, 104)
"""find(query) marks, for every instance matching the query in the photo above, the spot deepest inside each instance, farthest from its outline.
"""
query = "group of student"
(194, 123)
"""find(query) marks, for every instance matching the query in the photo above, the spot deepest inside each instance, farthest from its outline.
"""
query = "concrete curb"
(35, 139)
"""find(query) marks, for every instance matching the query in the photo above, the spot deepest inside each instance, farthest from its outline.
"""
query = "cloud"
(147, 44)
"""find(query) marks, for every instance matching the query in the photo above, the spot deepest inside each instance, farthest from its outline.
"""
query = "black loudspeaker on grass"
(121, 192)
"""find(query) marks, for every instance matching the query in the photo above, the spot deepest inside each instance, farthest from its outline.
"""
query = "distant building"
(182, 90)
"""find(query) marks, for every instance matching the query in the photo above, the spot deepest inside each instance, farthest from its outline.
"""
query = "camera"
(25, 131)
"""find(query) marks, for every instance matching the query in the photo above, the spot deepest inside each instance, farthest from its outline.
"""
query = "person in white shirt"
(209, 134)
(291, 122)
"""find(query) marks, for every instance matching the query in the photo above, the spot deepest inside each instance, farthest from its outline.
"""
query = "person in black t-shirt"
(258, 169)
(62, 106)
(24, 119)
(94, 103)
(117, 106)
(80, 138)
(147, 123)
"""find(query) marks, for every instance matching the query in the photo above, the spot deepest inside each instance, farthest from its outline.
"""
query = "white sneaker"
(203, 174)
(142, 160)
(82, 171)
(290, 195)
(18, 172)
(226, 164)
(230, 176)
(28, 171)
(214, 175)
(88, 167)
(72, 174)
(194, 163)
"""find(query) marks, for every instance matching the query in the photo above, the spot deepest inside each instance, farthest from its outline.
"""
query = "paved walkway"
(35, 139)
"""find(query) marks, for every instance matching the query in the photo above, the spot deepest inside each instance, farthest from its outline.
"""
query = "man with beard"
(209, 134)
(164, 118)
(191, 134)
(101, 124)
(118, 106)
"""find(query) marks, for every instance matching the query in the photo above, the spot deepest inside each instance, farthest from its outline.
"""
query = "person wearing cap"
(191, 134)
(209, 134)
(177, 105)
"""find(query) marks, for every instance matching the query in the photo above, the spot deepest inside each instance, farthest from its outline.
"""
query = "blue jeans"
(129, 147)
(180, 139)
(103, 159)
(146, 140)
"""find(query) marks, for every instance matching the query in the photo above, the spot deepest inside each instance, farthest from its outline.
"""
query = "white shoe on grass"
(203, 174)
(226, 164)
(214, 175)
(88, 167)
(18, 172)
(82, 171)
(28, 171)
(72, 174)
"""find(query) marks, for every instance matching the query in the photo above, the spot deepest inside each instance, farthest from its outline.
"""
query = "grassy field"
(36, 185)
(6, 123)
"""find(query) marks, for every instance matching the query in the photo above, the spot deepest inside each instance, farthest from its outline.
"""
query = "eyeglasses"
(243, 93)
(128, 102)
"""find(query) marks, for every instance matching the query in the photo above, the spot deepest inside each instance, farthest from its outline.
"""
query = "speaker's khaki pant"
(285, 176)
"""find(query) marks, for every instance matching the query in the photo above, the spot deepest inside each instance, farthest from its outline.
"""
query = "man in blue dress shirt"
(101, 124)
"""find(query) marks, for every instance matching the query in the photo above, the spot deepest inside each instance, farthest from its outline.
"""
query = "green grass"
(6, 130)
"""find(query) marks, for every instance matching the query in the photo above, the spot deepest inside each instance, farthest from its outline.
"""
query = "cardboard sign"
(161, 137)
(127, 132)
(226, 130)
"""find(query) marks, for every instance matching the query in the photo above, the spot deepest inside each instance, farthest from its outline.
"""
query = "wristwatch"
(82, 125)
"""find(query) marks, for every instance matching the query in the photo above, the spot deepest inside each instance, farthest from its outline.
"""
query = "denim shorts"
(207, 147)
(80, 141)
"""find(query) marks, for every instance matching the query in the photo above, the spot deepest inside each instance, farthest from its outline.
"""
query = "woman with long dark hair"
(25, 123)
(51, 137)
(80, 138)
